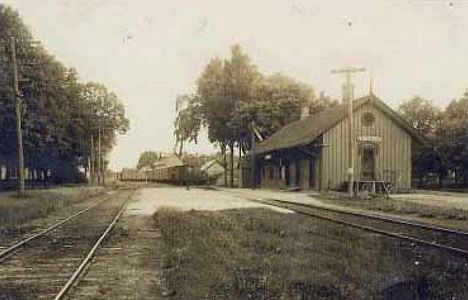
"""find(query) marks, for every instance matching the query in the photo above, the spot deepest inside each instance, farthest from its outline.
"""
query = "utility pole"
(255, 134)
(252, 161)
(99, 154)
(18, 112)
(91, 159)
(188, 167)
(348, 96)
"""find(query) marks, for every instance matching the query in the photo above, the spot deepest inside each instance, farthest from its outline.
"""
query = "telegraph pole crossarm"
(348, 97)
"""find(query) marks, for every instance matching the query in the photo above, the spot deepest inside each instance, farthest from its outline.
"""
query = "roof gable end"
(303, 132)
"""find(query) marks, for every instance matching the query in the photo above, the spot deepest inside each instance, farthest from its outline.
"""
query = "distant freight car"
(179, 175)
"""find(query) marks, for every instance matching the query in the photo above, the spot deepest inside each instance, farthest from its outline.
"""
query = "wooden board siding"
(393, 159)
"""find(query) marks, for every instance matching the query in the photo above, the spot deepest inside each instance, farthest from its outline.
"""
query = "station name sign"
(369, 139)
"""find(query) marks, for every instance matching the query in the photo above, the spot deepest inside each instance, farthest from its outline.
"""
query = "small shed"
(312, 153)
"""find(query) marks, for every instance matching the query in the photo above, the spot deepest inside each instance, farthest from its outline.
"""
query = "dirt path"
(127, 266)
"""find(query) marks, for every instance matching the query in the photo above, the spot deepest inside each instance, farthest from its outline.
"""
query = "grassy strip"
(260, 254)
(405, 208)
(39, 203)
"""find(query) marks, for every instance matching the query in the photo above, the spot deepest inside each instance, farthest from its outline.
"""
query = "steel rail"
(376, 217)
(22, 243)
(454, 250)
(358, 214)
(74, 278)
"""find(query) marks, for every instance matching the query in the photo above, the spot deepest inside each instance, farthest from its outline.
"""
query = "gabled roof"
(209, 164)
(168, 162)
(305, 131)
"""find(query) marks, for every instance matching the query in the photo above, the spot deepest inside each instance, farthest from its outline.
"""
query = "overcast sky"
(149, 51)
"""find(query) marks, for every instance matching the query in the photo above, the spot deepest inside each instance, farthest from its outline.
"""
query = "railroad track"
(434, 237)
(34, 235)
(47, 264)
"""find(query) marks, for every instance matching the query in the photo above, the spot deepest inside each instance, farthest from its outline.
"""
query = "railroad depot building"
(312, 153)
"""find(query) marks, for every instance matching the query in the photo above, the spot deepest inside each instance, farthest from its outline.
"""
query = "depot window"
(368, 119)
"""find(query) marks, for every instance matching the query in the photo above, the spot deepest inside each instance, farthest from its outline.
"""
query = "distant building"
(167, 161)
(312, 153)
(213, 171)
(212, 168)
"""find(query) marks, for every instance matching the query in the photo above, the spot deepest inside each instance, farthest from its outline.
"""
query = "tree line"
(445, 159)
(66, 124)
(233, 97)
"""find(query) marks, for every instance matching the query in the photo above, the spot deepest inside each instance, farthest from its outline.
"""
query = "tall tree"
(58, 114)
(422, 114)
(278, 101)
(188, 121)
(321, 102)
(222, 87)
(105, 116)
(453, 136)
(425, 118)
(233, 94)
(147, 159)
(240, 78)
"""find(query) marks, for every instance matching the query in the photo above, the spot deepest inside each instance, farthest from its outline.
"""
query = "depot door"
(368, 164)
